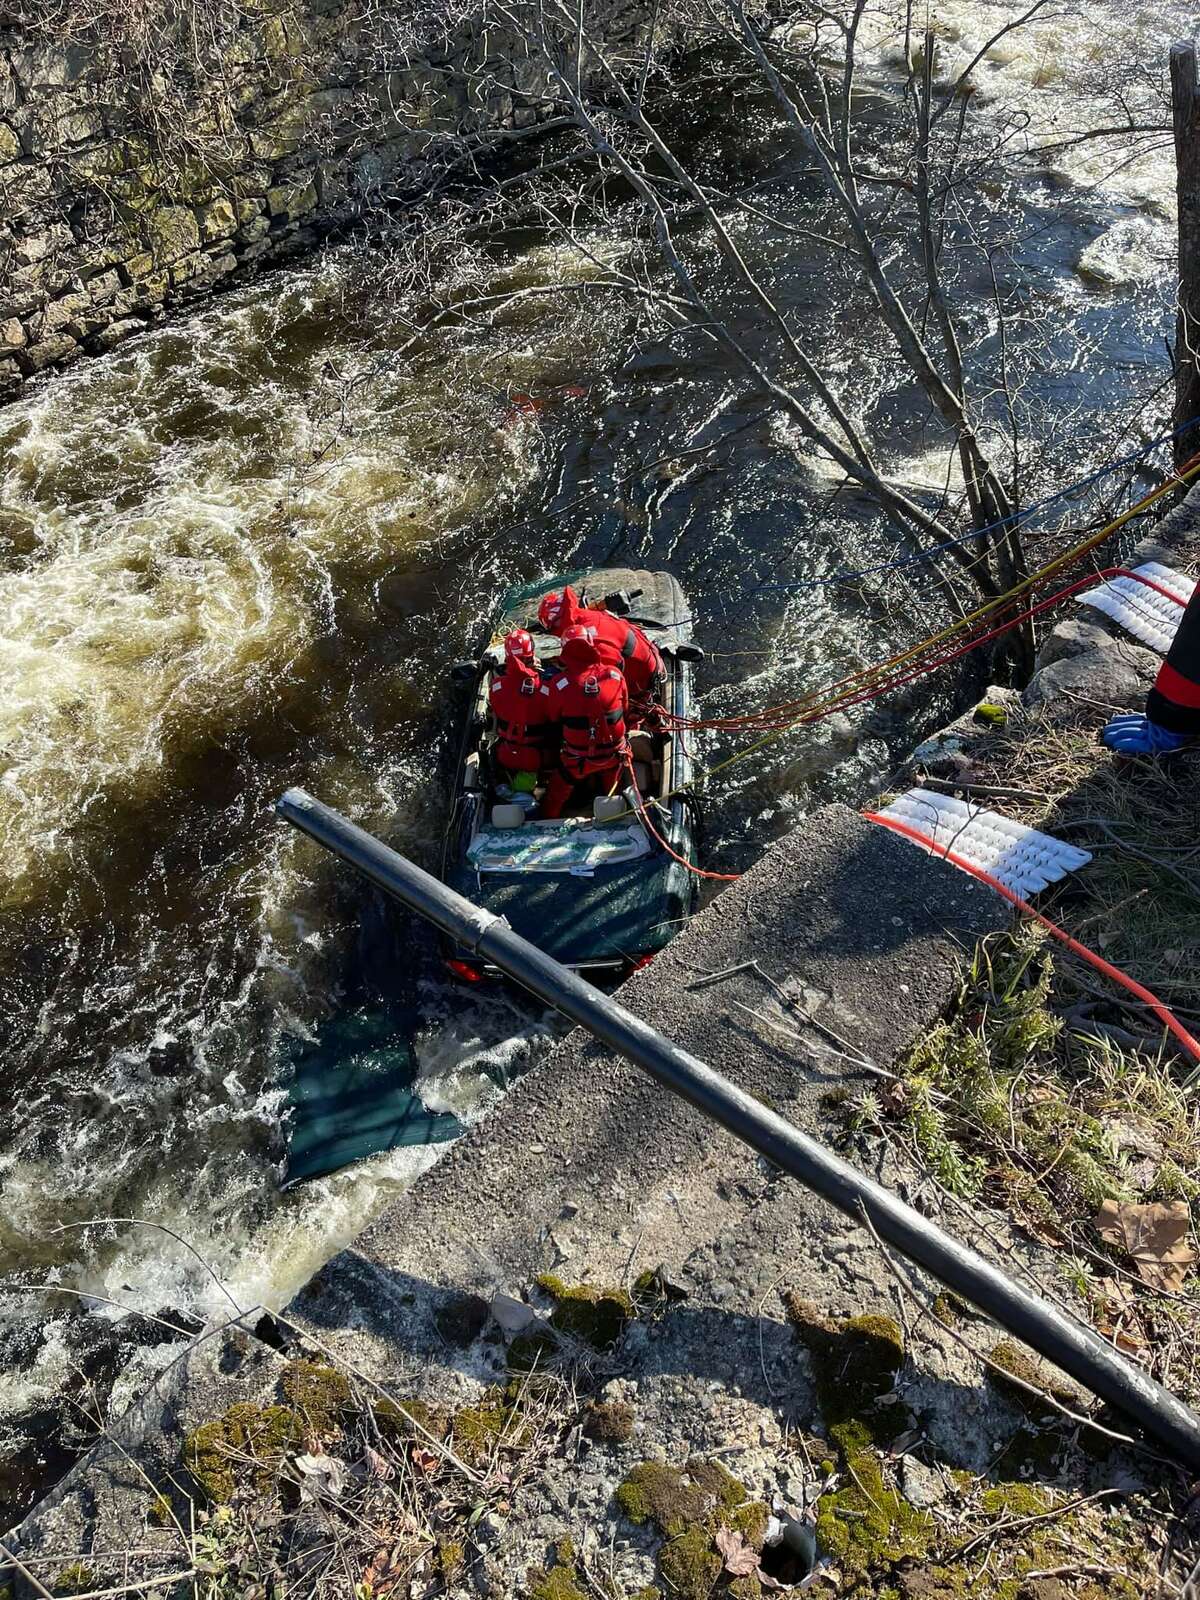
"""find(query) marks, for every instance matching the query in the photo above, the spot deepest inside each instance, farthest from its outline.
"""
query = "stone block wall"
(141, 169)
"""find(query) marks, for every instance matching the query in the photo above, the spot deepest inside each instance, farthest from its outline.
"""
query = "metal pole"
(1067, 1343)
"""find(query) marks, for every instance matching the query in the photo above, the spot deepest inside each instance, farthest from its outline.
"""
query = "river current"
(212, 586)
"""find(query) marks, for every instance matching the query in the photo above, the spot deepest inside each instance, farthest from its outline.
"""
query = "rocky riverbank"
(148, 159)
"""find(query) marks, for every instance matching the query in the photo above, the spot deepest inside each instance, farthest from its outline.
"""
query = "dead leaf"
(1155, 1236)
(741, 1558)
(378, 1465)
(425, 1460)
(320, 1477)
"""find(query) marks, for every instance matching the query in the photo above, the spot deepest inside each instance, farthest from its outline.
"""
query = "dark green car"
(592, 894)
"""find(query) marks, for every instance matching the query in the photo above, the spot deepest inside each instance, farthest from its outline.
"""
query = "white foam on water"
(174, 556)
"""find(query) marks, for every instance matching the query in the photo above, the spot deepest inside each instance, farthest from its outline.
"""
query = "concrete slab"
(590, 1169)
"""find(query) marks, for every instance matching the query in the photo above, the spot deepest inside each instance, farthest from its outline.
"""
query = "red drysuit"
(588, 700)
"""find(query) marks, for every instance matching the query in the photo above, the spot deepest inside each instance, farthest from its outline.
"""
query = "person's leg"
(559, 790)
(1172, 717)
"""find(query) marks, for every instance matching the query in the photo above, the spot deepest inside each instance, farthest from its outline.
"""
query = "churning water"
(216, 582)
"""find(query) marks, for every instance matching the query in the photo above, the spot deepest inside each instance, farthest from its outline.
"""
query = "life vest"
(519, 700)
(623, 644)
(618, 643)
(589, 702)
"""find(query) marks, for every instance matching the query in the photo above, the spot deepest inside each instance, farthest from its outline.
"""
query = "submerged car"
(595, 888)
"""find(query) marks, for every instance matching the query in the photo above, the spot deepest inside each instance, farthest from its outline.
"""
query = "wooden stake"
(1185, 101)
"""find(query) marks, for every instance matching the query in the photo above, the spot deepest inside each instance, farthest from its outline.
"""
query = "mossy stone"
(595, 1316)
(655, 1492)
(560, 1583)
(750, 1520)
(716, 1481)
(854, 1361)
(241, 1449)
(76, 1579)
(867, 1525)
(1015, 1500)
(477, 1430)
(689, 1564)
(318, 1392)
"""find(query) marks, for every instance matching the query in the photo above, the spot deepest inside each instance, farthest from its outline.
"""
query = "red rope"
(640, 807)
(1167, 1018)
(873, 692)
(758, 719)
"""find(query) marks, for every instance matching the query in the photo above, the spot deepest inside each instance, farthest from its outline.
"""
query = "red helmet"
(579, 645)
(518, 643)
(558, 609)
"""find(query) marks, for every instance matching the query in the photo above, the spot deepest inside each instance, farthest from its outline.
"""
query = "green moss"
(560, 1583)
(610, 1421)
(451, 1558)
(564, 1551)
(1015, 1500)
(76, 1579)
(654, 1492)
(854, 1361)
(396, 1420)
(529, 1352)
(987, 711)
(950, 1311)
(596, 1316)
(654, 1290)
(159, 1511)
(868, 1526)
(242, 1448)
(689, 1565)
(477, 1430)
(318, 1392)
(716, 1481)
(750, 1520)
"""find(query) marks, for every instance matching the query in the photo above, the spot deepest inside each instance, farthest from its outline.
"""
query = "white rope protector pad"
(1023, 859)
(1144, 613)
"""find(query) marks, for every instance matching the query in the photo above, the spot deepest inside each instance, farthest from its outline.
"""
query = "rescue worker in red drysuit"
(1172, 717)
(519, 699)
(589, 699)
(621, 644)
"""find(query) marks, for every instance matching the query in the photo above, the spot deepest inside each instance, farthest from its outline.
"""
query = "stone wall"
(141, 168)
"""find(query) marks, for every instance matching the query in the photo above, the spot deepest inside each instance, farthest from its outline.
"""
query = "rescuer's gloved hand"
(1137, 736)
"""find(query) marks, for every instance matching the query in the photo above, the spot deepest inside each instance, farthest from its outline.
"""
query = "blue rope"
(1015, 520)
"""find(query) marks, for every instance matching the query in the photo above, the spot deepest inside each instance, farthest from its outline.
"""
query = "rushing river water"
(209, 592)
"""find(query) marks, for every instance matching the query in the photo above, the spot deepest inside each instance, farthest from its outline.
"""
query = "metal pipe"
(1070, 1345)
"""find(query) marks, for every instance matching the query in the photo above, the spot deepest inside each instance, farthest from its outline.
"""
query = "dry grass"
(1049, 1089)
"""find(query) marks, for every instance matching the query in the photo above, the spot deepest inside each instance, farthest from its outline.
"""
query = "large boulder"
(1112, 676)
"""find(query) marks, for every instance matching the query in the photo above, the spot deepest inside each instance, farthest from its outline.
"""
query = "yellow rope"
(831, 701)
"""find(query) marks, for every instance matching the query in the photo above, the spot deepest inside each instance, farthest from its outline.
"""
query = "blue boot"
(1137, 736)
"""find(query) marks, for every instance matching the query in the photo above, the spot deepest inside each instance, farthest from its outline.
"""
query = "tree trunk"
(1185, 99)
